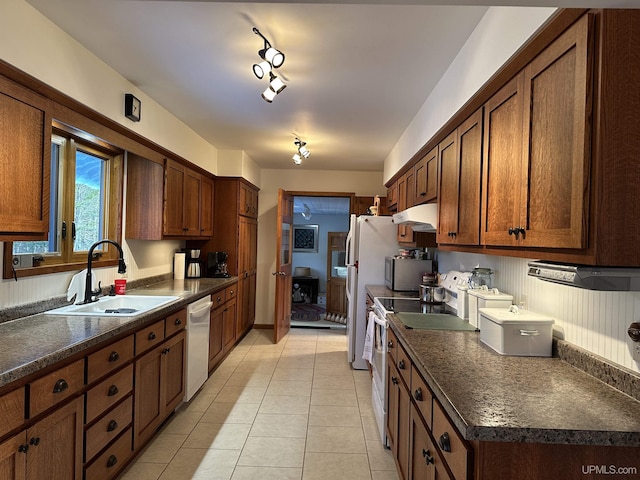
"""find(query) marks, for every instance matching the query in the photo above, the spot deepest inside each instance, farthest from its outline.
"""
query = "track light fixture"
(271, 59)
(303, 152)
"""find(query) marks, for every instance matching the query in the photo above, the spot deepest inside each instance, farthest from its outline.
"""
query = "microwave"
(405, 274)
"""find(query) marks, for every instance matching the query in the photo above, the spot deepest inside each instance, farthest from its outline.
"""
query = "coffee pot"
(193, 263)
(217, 264)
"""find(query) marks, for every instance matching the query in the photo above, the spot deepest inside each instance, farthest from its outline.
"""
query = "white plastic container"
(486, 299)
(516, 332)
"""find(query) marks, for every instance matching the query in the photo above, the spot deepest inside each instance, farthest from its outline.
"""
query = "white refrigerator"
(370, 240)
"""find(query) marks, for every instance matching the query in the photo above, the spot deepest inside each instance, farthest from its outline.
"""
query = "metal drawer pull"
(114, 357)
(418, 394)
(444, 442)
(112, 426)
(390, 344)
(113, 390)
(23, 448)
(152, 336)
(394, 380)
(112, 461)
(401, 365)
(178, 322)
(427, 456)
(60, 386)
(529, 333)
(35, 441)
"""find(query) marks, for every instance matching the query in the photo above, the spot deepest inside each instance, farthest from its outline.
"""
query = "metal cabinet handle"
(112, 426)
(401, 364)
(394, 380)
(60, 386)
(23, 448)
(427, 456)
(444, 442)
(418, 394)
(35, 441)
(152, 336)
(113, 390)
(114, 357)
(390, 344)
(112, 461)
(178, 322)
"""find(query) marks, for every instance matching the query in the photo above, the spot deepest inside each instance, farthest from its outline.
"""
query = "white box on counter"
(486, 299)
(516, 332)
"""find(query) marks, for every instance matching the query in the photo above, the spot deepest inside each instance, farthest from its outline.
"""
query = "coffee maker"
(193, 263)
(217, 264)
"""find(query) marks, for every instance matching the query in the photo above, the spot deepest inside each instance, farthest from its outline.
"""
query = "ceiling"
(321, 206)
(356, 73)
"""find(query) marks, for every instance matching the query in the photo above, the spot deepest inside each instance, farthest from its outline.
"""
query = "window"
(84, 207)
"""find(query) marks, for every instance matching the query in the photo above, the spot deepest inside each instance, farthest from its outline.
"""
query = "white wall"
(361, 183)
(595, 321)
(236, 163)
(37, 46)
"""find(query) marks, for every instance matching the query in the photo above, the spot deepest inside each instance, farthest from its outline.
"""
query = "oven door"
(379, 372)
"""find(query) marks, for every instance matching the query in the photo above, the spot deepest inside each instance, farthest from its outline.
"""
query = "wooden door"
(13, 461)
(554, 198)
(148, 410)
(426, 178)
(215, 337)
(173, 368)
(469, 152)
(173, 198)
(336, 284)
(402, 451)
(206, 207)
(449, 185)
(502, 164)
(229, 320)
(284, 250)
(425, 462)
(55, 444)
(191, 203)
(393, 385)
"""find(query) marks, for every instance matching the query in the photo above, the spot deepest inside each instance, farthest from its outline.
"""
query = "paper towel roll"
(179, 260)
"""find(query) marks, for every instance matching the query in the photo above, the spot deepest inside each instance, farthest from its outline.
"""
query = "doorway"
(318, 220)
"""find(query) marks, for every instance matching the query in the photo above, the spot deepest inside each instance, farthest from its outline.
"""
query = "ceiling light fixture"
(306, 213)
(271, 59)
(303, 151)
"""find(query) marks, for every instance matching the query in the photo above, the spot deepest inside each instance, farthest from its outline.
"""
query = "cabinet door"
(402, 451)
(449, 187)
(229, 319)
(248, 201)
(555, 187)
(392, 404)
(425, 462)
(215, 337)
(405, 233)
(191, 203)
(502, 164)
(148, 411)
(13, 458)
(426, 178)
(392, 197)
(25, 157)
(55, 444)
(172, 373)
(206, 207)
(173, 198)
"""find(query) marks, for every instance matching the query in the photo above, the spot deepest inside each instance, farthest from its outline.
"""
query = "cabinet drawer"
(109, 358)
(404, 365)
(109, 392)
(231, 292)
(149, 337)
(11, 410)
(175, 322)
(111, 461)
(55, 387)
(219, 298)
(455, 453)
(421, 395)
(392, 345)
(108, 428)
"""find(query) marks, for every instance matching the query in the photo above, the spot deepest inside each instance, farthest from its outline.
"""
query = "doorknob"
(282, 274)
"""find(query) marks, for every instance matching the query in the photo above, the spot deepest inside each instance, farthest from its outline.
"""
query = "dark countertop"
(35, 342)
(491, 397)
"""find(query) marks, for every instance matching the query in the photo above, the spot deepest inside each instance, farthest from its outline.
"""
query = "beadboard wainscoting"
(594, 321)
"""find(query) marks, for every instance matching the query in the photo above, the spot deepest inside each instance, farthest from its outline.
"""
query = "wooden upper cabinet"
(248, 201)
(206, 207)
(173, 198)
(554, 194)
(537, 149)
(392, 197)
(460, 178)
(425, 174)
(25, 157)
(191, 203)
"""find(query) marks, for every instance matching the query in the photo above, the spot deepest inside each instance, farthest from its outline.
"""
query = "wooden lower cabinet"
(229, 321)
(216, 345)
(398, 420)
(159, 386)
(51, 448)
(426, 463)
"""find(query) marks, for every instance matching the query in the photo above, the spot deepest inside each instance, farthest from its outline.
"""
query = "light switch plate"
(636, 351)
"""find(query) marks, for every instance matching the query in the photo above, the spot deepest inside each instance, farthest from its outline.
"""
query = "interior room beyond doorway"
(320, 226)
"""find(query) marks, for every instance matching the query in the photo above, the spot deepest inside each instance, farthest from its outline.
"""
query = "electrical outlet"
(636, 351)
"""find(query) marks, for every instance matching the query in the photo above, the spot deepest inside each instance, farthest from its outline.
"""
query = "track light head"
(297, 159)
(261, 69)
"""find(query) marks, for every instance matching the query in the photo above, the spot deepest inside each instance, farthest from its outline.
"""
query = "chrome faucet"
(122, 268)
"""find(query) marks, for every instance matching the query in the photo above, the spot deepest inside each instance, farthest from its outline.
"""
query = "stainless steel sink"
(118, 306)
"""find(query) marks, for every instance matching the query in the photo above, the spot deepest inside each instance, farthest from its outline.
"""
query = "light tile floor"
(291, 411)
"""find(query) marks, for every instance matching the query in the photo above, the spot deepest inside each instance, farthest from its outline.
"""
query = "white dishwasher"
(198, 317)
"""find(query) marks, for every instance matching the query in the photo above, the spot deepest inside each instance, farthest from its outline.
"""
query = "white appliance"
(198, 318)
(369, 241)
(456, 292)
(486, 298)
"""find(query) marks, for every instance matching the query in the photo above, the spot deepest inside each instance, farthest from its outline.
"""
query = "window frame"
(67, 260)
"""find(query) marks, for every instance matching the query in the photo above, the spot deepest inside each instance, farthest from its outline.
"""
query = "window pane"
(89, 200)
(51, 244)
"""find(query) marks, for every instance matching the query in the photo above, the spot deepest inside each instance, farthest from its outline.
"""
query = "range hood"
(618, 279)
(421, 218)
